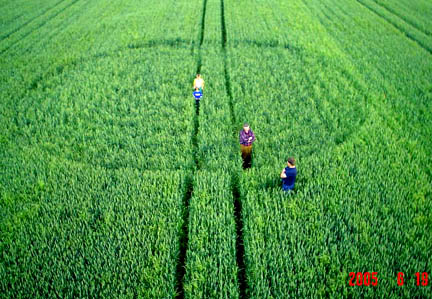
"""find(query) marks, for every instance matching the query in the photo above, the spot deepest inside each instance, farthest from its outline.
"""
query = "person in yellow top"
(198, 83)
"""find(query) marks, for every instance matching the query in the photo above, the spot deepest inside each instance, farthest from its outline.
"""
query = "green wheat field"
(113, 186)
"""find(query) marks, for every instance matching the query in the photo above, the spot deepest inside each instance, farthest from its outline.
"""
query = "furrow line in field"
(29, 21)
(237, 203)
(60, 68)
(240, 251)
(201, 37)
(402, 17)
(227, 77)
(39, 26)
(184, 237)
(203, 23)
(61, 26)
(174, 43)
(398, 27)
(355, 77)
(329, 15)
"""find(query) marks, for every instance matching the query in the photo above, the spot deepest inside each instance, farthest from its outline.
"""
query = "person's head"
(246, 127)
(291, 162)
(198, 75)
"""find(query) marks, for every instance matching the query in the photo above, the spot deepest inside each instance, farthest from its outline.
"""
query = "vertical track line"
(184, 233)
(201, 36)
(227, 76)
(237, 203)
(184, 237)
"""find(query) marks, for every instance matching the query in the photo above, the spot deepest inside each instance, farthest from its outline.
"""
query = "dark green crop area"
(113, 185)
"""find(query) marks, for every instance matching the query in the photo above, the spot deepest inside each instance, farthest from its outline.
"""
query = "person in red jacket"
(246, 137)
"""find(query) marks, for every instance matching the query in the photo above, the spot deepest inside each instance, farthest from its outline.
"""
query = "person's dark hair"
(245, 125)
(291, 161)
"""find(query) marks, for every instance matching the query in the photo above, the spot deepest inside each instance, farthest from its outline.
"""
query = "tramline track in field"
(29, 21)
(184, 237)
(237, 203)
(402, 17)
(65, 22)
(43, 23)
(199, 64)
(397, 26)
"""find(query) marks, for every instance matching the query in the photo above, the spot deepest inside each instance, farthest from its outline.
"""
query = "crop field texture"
(113, 184)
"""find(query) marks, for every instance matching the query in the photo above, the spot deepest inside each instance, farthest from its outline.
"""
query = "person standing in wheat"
(197, 95)
(198, 83)
(288, 175)
(246, 137)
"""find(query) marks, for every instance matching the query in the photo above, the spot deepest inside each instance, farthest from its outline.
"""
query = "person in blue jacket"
(197, 95)
(288, 175)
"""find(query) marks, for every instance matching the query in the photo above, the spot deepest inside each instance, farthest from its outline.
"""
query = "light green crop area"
(113, 185)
